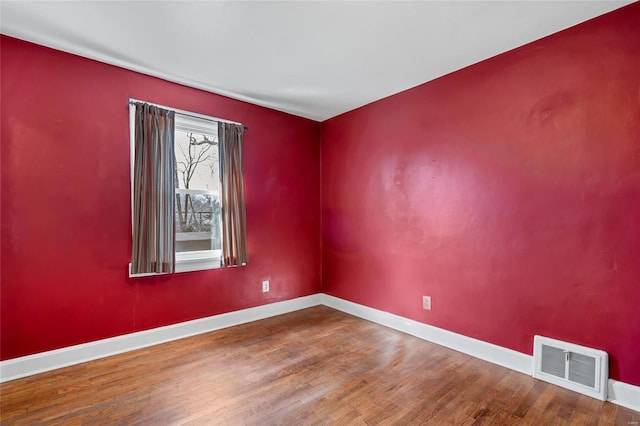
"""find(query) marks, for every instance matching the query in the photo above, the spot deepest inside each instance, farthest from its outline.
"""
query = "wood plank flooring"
(317, 366)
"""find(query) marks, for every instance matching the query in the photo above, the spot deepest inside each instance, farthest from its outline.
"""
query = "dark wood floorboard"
(317, 366)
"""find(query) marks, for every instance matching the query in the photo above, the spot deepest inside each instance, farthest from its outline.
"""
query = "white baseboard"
(624, 394)
(468, 345)
(620, 393)
(45, 361)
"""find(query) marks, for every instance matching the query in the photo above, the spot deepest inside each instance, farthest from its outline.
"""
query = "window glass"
(198, 191)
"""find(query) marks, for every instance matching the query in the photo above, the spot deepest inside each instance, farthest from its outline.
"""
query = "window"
(197, 216)
(198, 202)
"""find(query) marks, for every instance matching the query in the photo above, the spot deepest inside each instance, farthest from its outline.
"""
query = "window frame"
(186, 261)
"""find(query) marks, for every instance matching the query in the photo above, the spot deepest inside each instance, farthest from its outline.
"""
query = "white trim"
(619, 393)
(191, 124)
(51, 360)
(198, 192)
(477, 348)
(192, 262)
(189, 263)
(132, 155)
(624, 395)
(198, 256)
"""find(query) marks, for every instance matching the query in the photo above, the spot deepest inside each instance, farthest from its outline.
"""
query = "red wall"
(509, 191)
(66, 232)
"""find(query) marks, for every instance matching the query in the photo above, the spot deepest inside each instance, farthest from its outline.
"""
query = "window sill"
(189, 262)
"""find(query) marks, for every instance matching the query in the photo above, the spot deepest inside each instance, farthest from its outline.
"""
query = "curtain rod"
(133, 101)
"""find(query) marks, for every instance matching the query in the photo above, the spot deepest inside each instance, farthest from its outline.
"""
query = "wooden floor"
(315, 366)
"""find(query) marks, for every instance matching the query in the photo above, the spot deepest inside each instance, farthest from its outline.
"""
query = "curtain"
(153, 191)
(234, 226)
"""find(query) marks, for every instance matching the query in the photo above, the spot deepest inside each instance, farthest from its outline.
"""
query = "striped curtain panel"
(154, 186)
(234, 226)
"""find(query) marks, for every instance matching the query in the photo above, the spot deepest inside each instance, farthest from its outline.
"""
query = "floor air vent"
(574, 367)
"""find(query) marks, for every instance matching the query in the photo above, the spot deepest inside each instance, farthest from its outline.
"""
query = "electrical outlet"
(426, 302)
(265, 286)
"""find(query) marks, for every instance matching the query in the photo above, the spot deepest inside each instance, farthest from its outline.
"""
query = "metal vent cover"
(574, 367)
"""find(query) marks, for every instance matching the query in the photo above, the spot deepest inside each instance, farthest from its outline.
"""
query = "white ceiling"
(312, 59)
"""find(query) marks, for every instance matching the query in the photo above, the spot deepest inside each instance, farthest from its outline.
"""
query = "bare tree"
(197, 152)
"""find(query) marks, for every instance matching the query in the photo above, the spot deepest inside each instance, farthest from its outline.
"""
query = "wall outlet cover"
(426, 302)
